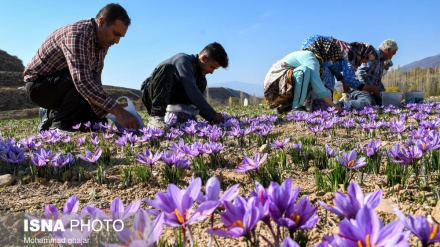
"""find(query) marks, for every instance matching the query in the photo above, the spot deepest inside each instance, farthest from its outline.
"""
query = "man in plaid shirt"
(64, 76)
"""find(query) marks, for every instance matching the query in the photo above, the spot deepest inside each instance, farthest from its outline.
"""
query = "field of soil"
(25, 195)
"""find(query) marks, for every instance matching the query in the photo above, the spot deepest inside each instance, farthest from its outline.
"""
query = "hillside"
(429, 62)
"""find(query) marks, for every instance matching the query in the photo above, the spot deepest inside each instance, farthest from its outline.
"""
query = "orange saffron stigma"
(238, 223)
(367, 242)
(297, 218)
(433, 232)
(179, 216)
(351, 163)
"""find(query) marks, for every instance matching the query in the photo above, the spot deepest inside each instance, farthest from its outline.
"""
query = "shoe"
(158, 123)
(66, 132)
(299, 109)
(45, 120)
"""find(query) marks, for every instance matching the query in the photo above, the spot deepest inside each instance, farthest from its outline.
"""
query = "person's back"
(175, 87)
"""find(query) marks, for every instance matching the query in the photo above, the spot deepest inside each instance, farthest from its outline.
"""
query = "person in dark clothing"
(174, 91)
(64, 77)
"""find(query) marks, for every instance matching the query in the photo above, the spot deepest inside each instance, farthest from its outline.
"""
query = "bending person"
(340, 60)
(64, 77)
(174, 91)
(302, 70)
(371, 74)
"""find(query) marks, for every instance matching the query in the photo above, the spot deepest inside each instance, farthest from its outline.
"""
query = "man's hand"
(218, 118)
(125, 118)
(374, 90)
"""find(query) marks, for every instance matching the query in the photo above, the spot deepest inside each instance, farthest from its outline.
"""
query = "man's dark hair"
(216, 52)
(112, 12)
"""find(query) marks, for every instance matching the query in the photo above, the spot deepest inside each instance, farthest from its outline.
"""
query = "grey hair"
(388, 44)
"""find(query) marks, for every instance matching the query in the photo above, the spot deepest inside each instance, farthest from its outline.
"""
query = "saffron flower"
(368, 230)
(249, 164)
(178, 205)
(349, 160)
(213, 191)
(148, 158)
(372, 148)
(349, 205)
(239, 219)
(144, 233)
(280, 145)
(418, 225)
(91, 157)
(14, 155)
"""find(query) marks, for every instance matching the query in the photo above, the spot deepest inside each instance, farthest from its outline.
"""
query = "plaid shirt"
(74, 47)
(371, 73)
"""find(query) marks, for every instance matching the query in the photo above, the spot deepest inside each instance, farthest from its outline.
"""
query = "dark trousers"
(157, 89)
(57, 93)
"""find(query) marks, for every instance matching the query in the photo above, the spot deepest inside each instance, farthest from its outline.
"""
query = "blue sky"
(254, 33)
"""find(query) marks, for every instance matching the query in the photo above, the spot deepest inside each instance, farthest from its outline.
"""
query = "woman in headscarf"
(340, 60)
(301, 71)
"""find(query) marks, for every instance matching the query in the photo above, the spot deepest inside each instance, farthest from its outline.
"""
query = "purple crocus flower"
(397, 126)
(330, 152)
(171, 158)
(372, 148)
(144, 233)
(88, 124)
(288, 242)
(239, 219)
(119, 212)
(91, 157)
(418, 225)
(81, 140)
(409, 155)
(315, 128)
(285, 212)
(148, 158)
(94, 140)
(178, 205)
(249, 164)
(213, 191)
(368, 230)
(280, 145)
(121, 141)
(70, 212)
(14, 155)
(76, 126)
(216, 147)
(297, 146)
(349, 205)
(63, 160)
(43, 157)
(349, 160)
(29, 143)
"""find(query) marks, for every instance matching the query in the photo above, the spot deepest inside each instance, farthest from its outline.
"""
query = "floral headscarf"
(325, 48)
(356, 51)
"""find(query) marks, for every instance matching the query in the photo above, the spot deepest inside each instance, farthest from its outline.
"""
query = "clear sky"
(254, 33)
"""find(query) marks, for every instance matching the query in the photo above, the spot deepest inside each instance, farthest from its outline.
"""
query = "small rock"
(87, 175)
(411, 180)
(264, 148)
(311, 170)
(121, 186)
(67, 176)
(382, 183)
(6, 180)
(397, 187)
(385, 206)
